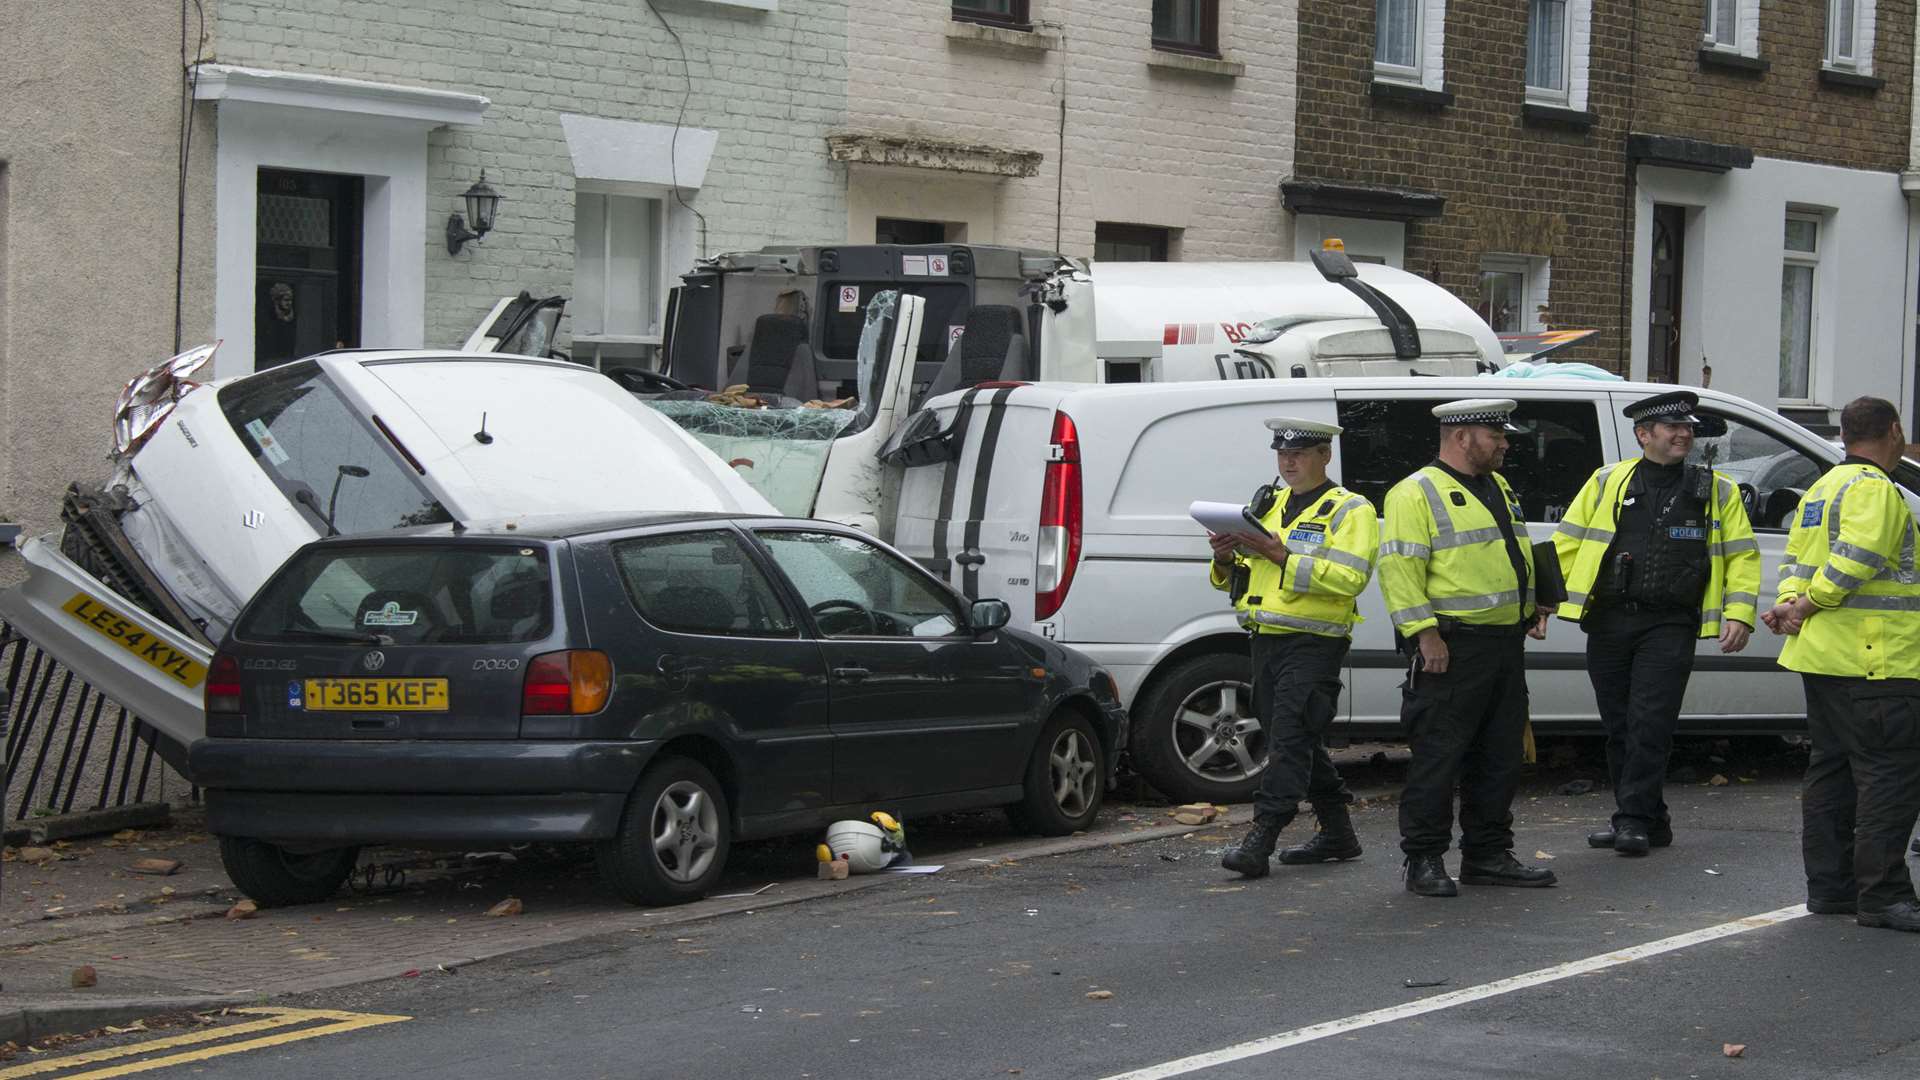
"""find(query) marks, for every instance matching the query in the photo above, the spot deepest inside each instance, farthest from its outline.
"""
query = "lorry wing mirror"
(1334, 265)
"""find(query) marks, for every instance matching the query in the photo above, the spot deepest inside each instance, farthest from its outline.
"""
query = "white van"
(1069, 502)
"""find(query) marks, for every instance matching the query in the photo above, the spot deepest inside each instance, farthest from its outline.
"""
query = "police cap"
(1672, 407)
(1495, 413)
(1292, 433)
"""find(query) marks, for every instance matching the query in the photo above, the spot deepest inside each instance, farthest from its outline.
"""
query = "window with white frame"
(1548, 53)
(1799, 278)
(1850, 34)
(616, 270)
(1396, 38)
(1723, 24)
(1513, 292)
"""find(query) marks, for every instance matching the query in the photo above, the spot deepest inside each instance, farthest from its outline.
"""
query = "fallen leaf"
(1099, 995)
(510, 906)
(245, 909)
(1543, 856)
(160, 867)
(38, 855)
(1718, 781)
(1734, 1049)
(412, 973)
(84, 976)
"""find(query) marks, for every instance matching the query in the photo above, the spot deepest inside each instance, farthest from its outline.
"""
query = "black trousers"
(1863, 789)
(1639, 665)
(1465, 728)
(1296, 693)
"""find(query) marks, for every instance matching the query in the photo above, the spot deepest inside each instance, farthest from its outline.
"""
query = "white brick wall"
(1200, 152)
(773, 84)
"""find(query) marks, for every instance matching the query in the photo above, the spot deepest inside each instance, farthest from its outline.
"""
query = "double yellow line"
(276, 1022)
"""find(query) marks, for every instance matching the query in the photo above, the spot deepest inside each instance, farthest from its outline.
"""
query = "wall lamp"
(482, 202)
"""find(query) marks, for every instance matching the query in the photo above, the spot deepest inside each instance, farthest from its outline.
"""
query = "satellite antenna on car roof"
(481, 436)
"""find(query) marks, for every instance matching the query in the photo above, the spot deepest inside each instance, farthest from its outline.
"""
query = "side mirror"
(989, 615)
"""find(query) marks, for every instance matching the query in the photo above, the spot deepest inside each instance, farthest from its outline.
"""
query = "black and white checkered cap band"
(1293, 434)
(1489, 417)
(1671, 408)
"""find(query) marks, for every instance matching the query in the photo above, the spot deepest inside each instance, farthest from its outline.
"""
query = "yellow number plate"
(137, 640)
(376, 695)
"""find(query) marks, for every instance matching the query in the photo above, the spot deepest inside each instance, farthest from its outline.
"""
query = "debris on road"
(84, 976)
(1195, 813)
(744, 895)
(1734, 1049)
(1715, 873)
(1099, 995)
(1575, 787)
(510, 906)
(1416, 984)
(1718, 780)
(1542, 856)
(157, 867)
(245, 909)
(38, 855)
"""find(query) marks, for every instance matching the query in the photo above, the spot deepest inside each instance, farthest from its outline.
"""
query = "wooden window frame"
(1209, 43)
(1018, 17)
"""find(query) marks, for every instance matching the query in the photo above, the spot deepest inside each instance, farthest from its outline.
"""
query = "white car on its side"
(242, 472)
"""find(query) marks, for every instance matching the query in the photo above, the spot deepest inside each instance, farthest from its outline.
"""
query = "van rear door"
(974, 520)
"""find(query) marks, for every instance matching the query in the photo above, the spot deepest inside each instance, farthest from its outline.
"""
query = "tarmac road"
(989, 974)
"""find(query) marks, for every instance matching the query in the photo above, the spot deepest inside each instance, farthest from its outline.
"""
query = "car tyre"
(272, 876)
(1066, 778)
(674, 837)
(1168, 730)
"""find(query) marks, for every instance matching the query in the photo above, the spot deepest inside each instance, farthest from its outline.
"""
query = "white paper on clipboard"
(1226, 519)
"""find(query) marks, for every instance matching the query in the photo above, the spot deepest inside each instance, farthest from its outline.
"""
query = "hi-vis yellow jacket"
(1332, 543)
(1587, 531)
(1443, 554)
(1851, 552)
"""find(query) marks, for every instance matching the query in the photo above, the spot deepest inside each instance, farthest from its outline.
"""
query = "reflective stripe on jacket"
(1852, 552)
(1442, 553)
(1332, 542)
(1587, 531)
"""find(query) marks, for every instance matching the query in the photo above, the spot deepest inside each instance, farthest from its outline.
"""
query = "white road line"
(1436, 1003)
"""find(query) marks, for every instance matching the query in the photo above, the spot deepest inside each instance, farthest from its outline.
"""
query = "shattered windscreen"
(782, 453)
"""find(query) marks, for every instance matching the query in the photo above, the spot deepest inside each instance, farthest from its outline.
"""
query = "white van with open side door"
(1071, 504)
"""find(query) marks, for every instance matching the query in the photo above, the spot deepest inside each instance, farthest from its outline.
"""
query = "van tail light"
(570, 683)
(223, 684)
(1058, 554)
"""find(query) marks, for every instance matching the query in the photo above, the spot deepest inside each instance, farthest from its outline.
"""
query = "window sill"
(1419, 97)
(1535, 114)
(1202, 65)
(995, 36)
(1850, 80)
(1731, 61)
(616, 339)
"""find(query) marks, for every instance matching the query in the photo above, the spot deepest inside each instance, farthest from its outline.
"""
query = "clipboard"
(1228, 519)
(1549, 584)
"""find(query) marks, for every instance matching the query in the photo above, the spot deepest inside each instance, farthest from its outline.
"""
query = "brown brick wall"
(1536, 190)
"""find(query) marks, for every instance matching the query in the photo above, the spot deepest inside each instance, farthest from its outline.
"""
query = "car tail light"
(573, 682)
(1060, 518)
(223, 684)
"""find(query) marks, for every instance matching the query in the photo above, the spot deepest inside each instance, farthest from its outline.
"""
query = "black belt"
(1452, 627)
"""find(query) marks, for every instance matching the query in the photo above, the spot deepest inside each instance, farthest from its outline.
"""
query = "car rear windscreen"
(406, 595)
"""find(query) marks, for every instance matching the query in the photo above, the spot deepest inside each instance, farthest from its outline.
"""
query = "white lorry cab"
(831, 348)
(1070, 503)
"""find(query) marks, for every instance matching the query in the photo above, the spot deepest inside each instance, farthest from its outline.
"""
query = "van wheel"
(673, 839)
(1066, 779)
(272, 876)
(1196, 736)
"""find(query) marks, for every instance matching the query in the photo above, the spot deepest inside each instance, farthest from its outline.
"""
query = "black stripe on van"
(971, 558)
(942, 564)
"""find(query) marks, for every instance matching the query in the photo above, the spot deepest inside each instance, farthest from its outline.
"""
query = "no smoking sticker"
(936, 266)
(849, 298)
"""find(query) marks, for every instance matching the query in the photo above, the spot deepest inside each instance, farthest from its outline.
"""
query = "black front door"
(306, 295)
(920, 705)
(1669, 258)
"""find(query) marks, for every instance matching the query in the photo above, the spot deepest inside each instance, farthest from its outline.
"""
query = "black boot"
(1427, 876)
(1904, 915)
(1630, 838)
(1249, 859)
(1504, 869)
(1657, 836)
(1334, 842)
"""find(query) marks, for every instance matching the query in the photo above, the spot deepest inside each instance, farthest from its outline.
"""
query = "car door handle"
(970, 557)
(678, 665)
(851, 674)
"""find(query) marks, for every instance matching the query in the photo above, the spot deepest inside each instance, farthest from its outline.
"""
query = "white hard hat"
(864, 846)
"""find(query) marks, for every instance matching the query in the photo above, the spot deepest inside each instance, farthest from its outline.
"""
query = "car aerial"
(658, 685)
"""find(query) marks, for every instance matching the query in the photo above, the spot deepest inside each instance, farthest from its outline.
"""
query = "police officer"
(1457, 573)
(1850, 598)
(1294, 591)
(1656, 552)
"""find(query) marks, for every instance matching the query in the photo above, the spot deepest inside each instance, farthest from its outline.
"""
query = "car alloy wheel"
(686, 831)
(1071, 763)
(1217, 735)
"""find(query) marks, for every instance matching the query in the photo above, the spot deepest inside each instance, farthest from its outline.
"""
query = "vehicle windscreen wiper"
(351, 636)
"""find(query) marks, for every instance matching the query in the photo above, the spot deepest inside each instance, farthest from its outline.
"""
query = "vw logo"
(253, 519)
(374, 660)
